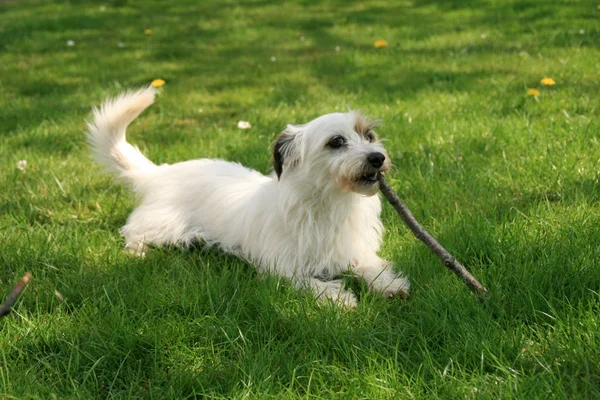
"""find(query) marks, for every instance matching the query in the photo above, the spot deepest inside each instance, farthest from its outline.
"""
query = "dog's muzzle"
(369, 178)
(375, 162)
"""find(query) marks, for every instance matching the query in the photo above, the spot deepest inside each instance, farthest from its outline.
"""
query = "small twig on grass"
(14, 295)
(421, 234)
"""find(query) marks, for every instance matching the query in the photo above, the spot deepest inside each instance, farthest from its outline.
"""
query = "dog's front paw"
(344, 299)
(334, 292)
(391, 285)
(399, 287)
(136, 249)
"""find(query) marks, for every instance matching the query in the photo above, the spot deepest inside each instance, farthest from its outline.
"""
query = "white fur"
(311, 224)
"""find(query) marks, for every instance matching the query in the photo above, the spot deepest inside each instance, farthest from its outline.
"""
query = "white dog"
(316, 217)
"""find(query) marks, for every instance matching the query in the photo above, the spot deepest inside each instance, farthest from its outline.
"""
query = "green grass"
(507, 182)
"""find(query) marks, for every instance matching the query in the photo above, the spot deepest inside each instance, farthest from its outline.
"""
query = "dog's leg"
(379, 275)
(333, 291)
(327, 290)
(148, 226)
(136, 243)
(136, 248)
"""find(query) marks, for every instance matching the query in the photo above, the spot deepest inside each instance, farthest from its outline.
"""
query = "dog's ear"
(284, 150)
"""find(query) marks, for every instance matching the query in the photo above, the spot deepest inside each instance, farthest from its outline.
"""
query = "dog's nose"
(376, 159)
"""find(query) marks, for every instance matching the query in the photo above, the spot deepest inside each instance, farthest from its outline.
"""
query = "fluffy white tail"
(106, 132)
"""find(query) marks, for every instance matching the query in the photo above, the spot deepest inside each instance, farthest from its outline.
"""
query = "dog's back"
(180, 202)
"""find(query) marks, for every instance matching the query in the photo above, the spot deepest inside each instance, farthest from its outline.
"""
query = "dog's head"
(335, 151)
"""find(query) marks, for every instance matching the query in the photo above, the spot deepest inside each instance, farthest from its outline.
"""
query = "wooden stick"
(421, 234)
(14, 295)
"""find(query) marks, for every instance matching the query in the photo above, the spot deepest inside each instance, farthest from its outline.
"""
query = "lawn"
(507, 181)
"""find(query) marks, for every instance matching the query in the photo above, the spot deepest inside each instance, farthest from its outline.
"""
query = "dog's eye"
(370, 137)
(336, 142)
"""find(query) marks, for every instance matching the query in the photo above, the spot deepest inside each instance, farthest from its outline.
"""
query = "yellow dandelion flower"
(148, 32)
(380, 43)
(533, 92)
(158, 82)
(548, 81)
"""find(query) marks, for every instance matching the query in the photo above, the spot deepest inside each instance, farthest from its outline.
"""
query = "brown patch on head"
(364, 127)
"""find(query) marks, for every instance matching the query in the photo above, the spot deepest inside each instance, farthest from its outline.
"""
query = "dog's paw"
(345, 299)
(399, 288)
(334, 292)
(136, 249)
(391, 286)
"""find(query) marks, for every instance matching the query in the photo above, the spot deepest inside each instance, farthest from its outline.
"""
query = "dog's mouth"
(368, 178)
